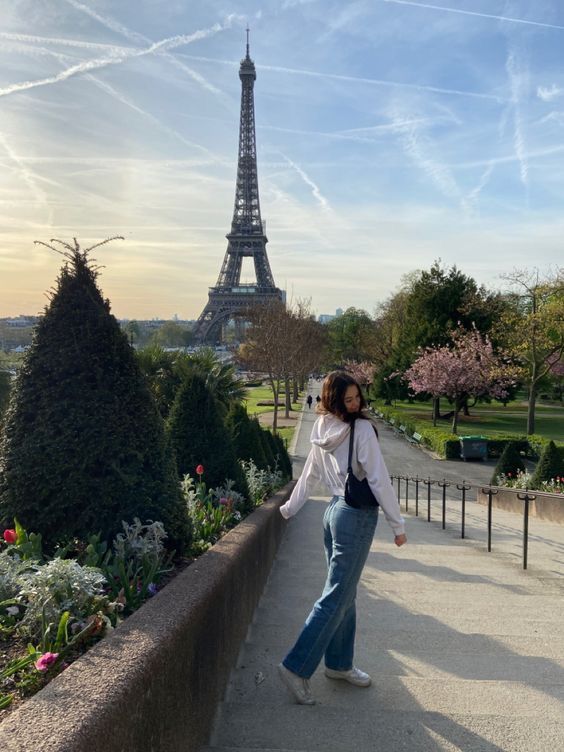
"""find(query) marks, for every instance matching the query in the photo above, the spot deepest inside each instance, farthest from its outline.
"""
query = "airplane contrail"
(162, 46)
(475, 13)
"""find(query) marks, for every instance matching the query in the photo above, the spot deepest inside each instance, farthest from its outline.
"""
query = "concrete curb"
(155, 682)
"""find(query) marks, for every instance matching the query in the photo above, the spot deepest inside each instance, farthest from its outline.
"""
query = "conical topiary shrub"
(200, 437)
(83, 445)
(268, 447)
(549, 466)
(509, 463)
(245, 433)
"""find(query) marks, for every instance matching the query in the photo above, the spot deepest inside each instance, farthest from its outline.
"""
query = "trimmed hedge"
(447, 445)
(444, 443)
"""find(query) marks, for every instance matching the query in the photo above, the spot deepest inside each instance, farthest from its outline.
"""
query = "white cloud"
(548, 94)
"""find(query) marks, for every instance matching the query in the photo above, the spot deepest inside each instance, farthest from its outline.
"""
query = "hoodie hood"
(329, 432)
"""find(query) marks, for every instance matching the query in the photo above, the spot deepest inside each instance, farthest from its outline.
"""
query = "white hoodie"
(327, 462)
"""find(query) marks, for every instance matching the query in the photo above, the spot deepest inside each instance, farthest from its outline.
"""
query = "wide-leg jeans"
(330, 628)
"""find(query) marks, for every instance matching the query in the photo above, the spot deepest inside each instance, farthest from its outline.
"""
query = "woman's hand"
(399, 540)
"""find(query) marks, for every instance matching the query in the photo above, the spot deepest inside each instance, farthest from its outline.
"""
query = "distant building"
(325, 318)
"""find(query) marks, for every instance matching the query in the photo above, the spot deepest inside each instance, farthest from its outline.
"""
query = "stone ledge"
(546, 506)
(153, 685)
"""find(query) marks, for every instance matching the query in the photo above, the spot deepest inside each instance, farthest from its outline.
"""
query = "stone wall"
(549, 507)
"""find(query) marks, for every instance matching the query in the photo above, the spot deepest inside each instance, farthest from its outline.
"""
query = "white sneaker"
(299, 687)
(353, 676)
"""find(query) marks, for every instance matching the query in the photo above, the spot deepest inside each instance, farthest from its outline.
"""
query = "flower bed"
(154, 682)
(54, 609)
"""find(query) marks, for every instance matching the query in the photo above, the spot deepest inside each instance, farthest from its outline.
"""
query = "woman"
(329, 630)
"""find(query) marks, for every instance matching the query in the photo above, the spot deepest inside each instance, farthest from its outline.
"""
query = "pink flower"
(224, 501)
(200, 470)
(46, 661)
(509, 475)
(10, 536)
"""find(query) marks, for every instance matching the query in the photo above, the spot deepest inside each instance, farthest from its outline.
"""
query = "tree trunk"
(275, 386)
(296, 391)
(465, 408)
(457, 406)
(288, 400)
(531, 408)
(436, 409)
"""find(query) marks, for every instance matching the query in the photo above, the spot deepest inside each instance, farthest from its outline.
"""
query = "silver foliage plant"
(261, 483)
(140, 542)
(57, 586)
(11, 570)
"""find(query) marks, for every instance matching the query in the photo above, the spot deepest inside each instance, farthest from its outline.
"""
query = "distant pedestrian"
(318, 399)
(329, 630)
(309, 400)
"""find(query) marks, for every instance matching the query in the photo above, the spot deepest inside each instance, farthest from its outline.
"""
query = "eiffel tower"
(230, 299)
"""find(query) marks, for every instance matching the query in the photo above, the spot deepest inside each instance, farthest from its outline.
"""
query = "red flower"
(200, 469)
(10, 536)
(509, 475)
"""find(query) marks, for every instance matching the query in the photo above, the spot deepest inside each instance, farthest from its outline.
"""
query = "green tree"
(171, 334)
(83, 445)
(350, 336)
(199, 436)
(165, 372)
(534, 328)
(430, 305)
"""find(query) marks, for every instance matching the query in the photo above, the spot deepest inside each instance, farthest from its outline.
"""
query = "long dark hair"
(333, 396)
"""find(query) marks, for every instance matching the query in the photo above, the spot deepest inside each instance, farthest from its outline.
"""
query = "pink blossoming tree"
(467, 368)
(363, 372)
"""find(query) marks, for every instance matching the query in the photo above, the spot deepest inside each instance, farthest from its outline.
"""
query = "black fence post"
(463, 487)
(526, 497)
(491, 493)
(416, 480)
(398, 478)
(407, 493)
(443, 484)
(428, 483)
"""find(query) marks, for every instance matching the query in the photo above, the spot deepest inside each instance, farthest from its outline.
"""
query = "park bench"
(415, 439)
(392, 422)
(401, 429)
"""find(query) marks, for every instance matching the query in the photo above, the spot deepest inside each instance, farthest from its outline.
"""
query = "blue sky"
(390, 133)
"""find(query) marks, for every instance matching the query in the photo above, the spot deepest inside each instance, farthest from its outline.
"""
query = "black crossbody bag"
(358, 493)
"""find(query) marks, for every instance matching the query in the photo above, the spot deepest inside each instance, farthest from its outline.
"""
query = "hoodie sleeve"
(301, 491)
(370, 458)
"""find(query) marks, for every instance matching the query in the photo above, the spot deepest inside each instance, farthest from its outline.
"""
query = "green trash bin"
(473, 447)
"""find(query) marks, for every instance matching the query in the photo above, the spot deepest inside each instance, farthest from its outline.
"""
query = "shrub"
(284, 463)
(199, 436)
(549, 467)
(245, 433)
(509, 464)
(83, 445)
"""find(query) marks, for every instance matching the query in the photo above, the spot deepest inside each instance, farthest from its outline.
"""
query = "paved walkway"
(466, 649)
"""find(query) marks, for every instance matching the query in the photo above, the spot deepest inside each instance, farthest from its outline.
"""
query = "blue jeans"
(330, 628)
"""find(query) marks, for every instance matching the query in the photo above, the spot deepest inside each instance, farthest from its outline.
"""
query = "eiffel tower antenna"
(230, 298)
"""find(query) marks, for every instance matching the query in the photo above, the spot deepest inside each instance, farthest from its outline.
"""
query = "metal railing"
(463, 487)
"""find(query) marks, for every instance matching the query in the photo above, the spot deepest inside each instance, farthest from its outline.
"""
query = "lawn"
(491, 419)
(257, 394)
